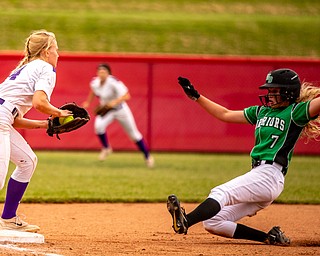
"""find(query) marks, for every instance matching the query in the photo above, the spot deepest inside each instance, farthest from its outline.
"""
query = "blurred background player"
(29, 85)
(288, 112)
(113, 94)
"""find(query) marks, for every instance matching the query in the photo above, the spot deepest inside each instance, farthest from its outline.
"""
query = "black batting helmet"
(287, 80)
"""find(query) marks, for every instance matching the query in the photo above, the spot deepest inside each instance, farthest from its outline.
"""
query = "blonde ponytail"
(312, 130)
(38, 41)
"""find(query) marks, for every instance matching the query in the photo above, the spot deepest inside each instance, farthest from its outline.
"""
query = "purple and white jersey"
(20, 86)
(111, 89)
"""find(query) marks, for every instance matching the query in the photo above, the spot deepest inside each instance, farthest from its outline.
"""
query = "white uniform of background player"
(113, 93)
(29, 85)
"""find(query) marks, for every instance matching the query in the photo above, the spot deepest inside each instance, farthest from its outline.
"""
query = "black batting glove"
(188, 88)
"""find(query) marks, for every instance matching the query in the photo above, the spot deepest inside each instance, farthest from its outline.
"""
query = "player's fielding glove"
(188, 88)
(81, 117)
(102, 110)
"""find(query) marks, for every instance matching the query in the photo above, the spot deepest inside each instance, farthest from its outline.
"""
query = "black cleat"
(178, 214)
(277, 237)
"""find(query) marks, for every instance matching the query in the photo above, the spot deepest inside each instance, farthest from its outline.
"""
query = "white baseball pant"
(14, 147)
(244, 196)
(124, 117)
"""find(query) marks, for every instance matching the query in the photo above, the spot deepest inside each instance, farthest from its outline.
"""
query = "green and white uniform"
(276, 133)
(277, 130)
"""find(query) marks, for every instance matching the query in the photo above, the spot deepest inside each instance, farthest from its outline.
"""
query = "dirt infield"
(145, 229)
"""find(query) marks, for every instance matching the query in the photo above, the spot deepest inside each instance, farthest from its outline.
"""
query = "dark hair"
(105, 66)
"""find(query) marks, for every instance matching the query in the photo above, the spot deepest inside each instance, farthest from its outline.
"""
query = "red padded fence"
(168, 120)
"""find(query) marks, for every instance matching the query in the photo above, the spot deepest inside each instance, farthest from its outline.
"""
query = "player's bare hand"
(85, 104)
(111, 104)
(65, 112)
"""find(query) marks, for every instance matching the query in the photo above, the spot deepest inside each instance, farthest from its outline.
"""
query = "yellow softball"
(64, 120)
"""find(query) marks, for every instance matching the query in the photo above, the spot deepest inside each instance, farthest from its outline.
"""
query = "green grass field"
(79, 177)
(277, 28)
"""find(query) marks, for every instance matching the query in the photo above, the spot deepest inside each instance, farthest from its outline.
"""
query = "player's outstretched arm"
(29, 123)
(220, 112)
(211, 107)
(314, 108)
(89, 99)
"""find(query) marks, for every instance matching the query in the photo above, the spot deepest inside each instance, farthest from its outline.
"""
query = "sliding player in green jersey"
(289, 111)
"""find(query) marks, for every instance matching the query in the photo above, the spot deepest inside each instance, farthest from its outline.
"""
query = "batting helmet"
(287, 80)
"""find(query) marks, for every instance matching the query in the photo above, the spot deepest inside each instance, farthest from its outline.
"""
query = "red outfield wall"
(168, 120)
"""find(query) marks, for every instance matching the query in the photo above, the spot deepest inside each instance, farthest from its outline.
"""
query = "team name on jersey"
(275, 122)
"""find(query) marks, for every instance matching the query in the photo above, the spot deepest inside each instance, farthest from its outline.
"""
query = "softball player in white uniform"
(114, 94)
(286, 114)
(29, 85)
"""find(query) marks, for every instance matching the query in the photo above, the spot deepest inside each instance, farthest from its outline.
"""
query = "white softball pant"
(124, 117)
(14, 147)
(244, 196)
